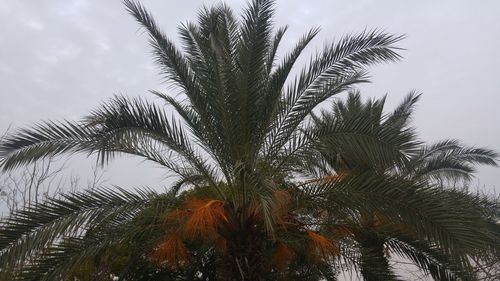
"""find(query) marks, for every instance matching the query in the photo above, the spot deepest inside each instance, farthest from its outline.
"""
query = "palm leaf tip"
(45, 139)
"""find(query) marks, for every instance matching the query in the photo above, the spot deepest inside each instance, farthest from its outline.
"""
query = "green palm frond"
(452, 219)
(449, 159)
(124, 226)
(278, 35)
(281, 72)
(45, 140)
(432, 261)
(253, 49)
(386, 144)
(373, 264)
(173, 64)
(340, 62)
(125, 121)
(57, 260)
(123, 125)
(277, 80)
(402, 114)
(26, 233)
(359, 145)
(356, 135)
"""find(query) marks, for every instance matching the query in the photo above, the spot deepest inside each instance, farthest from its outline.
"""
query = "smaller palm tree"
(369, 134)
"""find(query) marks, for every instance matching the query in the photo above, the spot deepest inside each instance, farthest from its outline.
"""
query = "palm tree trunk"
(374, 264)
(244, 257)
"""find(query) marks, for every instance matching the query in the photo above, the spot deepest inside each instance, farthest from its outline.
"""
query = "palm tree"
(441, 164)
(238, 145)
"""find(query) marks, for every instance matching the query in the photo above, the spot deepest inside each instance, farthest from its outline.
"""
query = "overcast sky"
(60, 59)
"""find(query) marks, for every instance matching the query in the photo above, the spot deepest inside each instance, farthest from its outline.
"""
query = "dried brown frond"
(204, 218)
(175, 216)
(170, 252)
(320, 246)
(341, 231)
(405, 229)
(282, 257)
(220, 244)
(379, 220)
(280, 207)
(333, 178)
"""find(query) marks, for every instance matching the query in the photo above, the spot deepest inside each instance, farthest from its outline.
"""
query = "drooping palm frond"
(432, 261)
(126, 123)
(27, 235)
(130, 126)
(56, 260)
(45, 140)
(451, 160)
(452, 220)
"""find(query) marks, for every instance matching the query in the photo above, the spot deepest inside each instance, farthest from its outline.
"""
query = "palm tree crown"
(269, 189)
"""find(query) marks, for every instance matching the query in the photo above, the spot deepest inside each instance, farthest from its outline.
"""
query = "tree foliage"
(266, 189)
